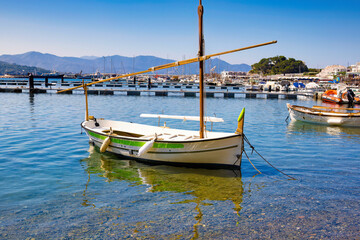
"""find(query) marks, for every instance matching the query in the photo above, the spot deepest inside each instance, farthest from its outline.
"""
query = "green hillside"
(14, 69)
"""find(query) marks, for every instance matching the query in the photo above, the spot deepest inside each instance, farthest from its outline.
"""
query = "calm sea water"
(54, 185)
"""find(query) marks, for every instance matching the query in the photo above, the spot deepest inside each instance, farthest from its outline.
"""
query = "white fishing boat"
(349, 117)
(163, 144)
(167, 145)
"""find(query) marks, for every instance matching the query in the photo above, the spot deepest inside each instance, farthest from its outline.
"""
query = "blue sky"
(318, 32)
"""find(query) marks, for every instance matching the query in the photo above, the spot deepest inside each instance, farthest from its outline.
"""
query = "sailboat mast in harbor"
(201, 68)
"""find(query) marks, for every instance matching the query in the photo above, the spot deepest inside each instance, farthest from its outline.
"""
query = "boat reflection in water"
(298, 127)
(204, 185)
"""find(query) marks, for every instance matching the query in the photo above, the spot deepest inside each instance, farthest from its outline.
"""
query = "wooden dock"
(163, 90)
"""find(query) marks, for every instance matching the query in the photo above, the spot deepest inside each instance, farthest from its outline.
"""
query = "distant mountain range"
(15, 69)
(114, 64)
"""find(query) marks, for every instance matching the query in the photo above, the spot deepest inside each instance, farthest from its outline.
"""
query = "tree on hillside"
(279, 65)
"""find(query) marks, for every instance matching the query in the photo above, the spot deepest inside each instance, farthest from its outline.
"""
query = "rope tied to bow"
(254, 150)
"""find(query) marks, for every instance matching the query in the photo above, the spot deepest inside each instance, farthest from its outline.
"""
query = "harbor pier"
(141, 89)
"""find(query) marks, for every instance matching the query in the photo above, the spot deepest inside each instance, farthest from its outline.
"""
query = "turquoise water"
(53, 184)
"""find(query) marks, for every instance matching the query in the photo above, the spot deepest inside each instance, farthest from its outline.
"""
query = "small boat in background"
(312, 87)
(331, 96)
(272, 86)
(253, 87)
(339, 96)
(298, 86)
(333, 116)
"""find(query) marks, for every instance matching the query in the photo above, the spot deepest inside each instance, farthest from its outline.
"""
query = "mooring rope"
(287, 118)
(251, 162)
(253, 149)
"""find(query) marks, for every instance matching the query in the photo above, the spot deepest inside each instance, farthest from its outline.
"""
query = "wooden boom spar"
(170, 65)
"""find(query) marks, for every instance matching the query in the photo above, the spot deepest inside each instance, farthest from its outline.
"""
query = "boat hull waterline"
(313, 115)
(166, 145)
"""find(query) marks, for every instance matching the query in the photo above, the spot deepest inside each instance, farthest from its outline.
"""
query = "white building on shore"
(355, 68)
(330, 71)
(231, 75)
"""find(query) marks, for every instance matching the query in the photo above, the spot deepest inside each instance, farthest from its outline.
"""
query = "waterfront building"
(355, 68)
(232, 75)
(331, 71)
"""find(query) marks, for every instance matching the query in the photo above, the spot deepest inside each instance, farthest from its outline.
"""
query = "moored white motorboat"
(349, 117)
(272, 86)
(252, 87)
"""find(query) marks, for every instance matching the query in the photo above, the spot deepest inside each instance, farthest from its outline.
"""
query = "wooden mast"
(86, 101)
(201, 68)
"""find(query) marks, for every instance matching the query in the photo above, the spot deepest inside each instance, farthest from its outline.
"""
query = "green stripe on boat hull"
(137, 143)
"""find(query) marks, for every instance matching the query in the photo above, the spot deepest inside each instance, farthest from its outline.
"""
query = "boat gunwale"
(161, 141)
(322, 113)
